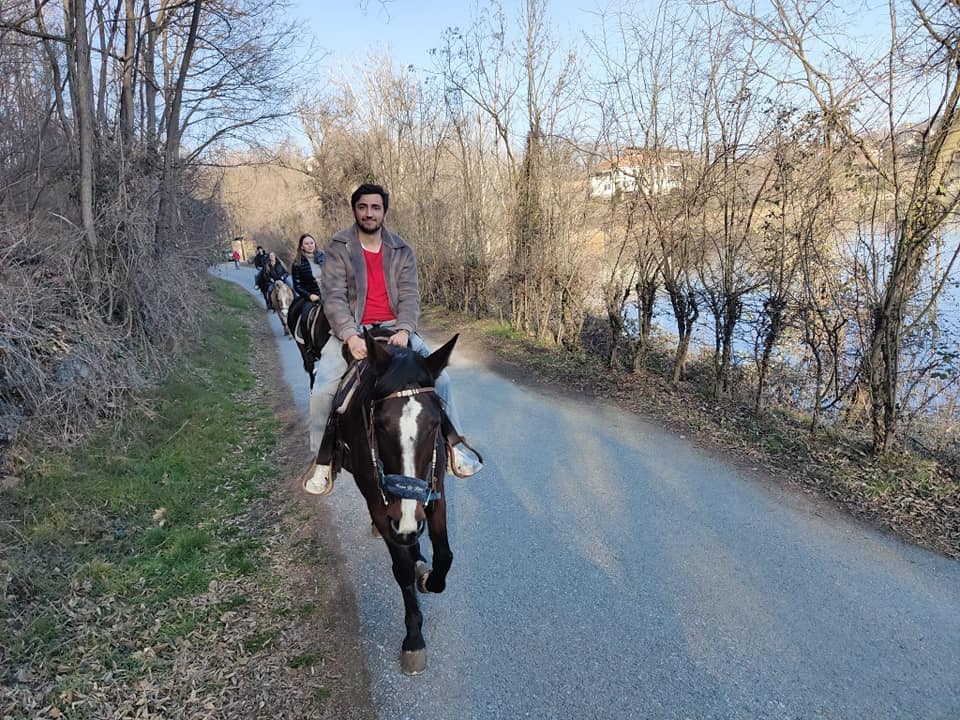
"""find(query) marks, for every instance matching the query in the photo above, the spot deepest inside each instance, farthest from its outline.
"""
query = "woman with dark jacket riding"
(305, 269)
(274, 269)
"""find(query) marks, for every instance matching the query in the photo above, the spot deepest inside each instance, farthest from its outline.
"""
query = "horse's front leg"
(413, 655)
(435, 580)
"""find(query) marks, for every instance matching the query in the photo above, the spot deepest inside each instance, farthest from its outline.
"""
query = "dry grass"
(272, 635)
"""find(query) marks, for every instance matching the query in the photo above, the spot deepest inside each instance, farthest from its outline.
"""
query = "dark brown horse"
(310, 328)
(391, 439)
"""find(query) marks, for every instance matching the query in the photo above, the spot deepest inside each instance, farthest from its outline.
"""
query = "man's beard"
(364, 225)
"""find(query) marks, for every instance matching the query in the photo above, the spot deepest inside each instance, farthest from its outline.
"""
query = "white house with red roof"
(656, 171)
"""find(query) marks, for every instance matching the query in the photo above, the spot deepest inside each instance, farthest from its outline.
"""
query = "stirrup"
(463, 459)
(318, 479)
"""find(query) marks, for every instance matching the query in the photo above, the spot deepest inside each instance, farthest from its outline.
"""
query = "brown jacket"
(344, 282)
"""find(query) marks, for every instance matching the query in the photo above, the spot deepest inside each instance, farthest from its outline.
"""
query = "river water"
(941, 341)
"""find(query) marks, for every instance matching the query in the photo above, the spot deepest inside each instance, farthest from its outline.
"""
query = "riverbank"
(917, 498)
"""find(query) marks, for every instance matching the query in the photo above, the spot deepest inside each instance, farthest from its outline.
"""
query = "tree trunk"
(57, 84)
(774, 309)
(167, 210)
(127, 77)
(80, 78)
(685, 313)
(151, 86)
(646, 290)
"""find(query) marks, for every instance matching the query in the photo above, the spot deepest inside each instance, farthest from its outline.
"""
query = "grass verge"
(143, 573)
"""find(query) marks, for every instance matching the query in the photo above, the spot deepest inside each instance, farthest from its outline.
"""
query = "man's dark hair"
(370, 189)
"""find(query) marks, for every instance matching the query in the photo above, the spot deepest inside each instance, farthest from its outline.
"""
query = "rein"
(403, 486)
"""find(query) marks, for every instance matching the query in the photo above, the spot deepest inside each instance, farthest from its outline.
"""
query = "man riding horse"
(369, 280)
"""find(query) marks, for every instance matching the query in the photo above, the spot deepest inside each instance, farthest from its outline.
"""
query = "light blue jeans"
(330, 368)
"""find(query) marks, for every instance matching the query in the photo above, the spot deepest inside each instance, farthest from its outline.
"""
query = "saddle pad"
(306, 321)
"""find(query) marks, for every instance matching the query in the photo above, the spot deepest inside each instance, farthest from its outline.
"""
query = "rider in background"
(273, 270)
(306, 267)
(370, 278)
(259, 260)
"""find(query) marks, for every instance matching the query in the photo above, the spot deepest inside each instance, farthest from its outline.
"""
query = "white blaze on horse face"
(408, 438)
(282, 297)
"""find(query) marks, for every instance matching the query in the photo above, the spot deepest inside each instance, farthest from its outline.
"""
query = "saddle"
(310, 324)
(330, 444)
(348, 383)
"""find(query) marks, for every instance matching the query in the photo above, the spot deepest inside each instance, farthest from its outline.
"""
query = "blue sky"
(409, 28)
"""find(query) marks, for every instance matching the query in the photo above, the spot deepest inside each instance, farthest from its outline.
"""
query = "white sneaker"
(317, 480)
(464, 461)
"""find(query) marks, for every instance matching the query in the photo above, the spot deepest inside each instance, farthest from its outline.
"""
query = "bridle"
(402, 486)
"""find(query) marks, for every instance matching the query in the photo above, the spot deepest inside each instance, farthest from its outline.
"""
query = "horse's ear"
(377, 353)
(439, 359)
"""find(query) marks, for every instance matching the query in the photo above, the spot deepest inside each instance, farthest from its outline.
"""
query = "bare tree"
(521, 81)
(87, 174)
(637, 100)
(915, 166)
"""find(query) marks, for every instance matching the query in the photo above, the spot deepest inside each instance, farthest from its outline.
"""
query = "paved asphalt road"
(606, 568)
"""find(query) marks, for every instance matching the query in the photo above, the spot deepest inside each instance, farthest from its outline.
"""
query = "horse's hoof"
(423, 572)
(413, 662)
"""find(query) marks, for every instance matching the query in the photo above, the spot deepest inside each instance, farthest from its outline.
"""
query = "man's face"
(368, 212)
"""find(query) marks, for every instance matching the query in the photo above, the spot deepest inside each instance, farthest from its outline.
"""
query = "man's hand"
(314, 297)
(357, 346)
(400, 337)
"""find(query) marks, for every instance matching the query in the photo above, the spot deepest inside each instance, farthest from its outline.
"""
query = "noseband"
(403, 486)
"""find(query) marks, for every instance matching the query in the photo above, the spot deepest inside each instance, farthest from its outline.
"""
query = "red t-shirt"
(377, 308)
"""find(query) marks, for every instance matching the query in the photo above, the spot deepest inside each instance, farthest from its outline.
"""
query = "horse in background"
(309, 326)
(390, 438)
(311, 330)
(281, 297)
